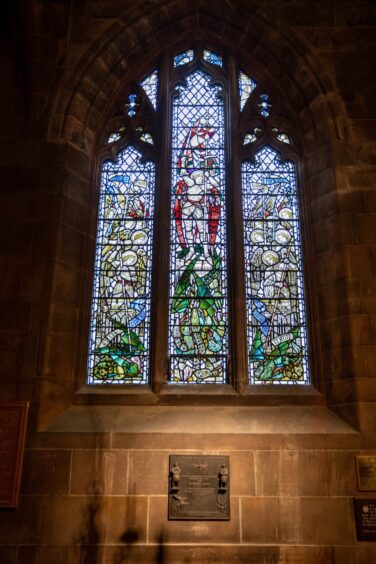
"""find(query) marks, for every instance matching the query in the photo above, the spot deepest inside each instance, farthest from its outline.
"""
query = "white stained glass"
(246, 87)
(150, 86)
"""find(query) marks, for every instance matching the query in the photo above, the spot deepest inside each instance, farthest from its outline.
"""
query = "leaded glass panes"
(194, 330)
(150, 86)
(198, 340)
(212, 58)
(183, 58)
(246, 87)
(277, 338)
(119, 336)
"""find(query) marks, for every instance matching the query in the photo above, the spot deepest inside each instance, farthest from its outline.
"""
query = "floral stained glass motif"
(198, 341)
(119, 336)
(183, 58)
(150, 86)
(246, 87)
(211, 57)
(277, 337)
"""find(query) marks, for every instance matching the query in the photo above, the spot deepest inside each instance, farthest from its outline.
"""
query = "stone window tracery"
(197, 157)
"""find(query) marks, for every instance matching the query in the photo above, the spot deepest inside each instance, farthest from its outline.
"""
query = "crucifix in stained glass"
(198, 340)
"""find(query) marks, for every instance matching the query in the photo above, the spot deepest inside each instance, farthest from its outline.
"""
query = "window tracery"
(200, 296)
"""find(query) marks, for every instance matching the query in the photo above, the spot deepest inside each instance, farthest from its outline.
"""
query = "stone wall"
(84, 494)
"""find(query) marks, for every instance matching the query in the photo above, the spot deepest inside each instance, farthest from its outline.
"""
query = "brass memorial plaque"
(13, 416)
(199, 487)
(365, 518)
(366, 472)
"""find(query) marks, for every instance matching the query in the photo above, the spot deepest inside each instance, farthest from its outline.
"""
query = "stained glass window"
(274, 281)
(150, 85)
(213, 58)
(183, 58)
(246, 87)
(198, 304)
(196, 334)
(119, 337)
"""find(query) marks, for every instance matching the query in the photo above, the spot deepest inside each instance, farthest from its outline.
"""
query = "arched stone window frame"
(237, 390)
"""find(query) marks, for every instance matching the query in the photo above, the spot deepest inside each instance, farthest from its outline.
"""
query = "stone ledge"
(198, 420)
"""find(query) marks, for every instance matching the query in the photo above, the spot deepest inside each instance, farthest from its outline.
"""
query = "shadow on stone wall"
(90, 536)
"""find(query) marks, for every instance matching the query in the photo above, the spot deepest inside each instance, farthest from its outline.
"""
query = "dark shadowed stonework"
(95, 481)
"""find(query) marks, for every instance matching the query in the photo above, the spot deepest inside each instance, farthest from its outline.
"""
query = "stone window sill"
(180, 394)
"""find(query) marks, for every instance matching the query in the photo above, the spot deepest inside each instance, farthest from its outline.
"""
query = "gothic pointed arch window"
(198, 272)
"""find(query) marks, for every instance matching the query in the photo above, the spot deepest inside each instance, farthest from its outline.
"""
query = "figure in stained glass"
(275, 301)
(198, 332)
(197, 195)
(121, 304)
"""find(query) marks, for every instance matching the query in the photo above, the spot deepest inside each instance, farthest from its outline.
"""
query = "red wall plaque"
(13, 419)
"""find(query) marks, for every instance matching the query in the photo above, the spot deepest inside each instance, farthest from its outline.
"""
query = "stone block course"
(46, 472)
(107, 468)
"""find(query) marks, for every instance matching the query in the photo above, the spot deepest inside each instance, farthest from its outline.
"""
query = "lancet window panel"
(120, 328)
(277, 333)
(198, 326)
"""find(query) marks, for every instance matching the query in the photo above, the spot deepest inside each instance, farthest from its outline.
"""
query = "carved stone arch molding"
(126, 51)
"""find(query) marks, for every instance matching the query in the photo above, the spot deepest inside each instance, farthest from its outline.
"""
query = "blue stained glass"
(132, 105)
(119, 336)
(277, 332)
(198, 341)
(264, 105)
(183, 58)
(246, 87)
(213, 58)
(150, 86)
